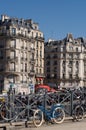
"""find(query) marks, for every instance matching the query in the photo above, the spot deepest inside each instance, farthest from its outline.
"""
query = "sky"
(56, 18)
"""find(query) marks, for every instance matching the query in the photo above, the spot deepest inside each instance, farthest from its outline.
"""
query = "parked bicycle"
(56, 114)
(80, 109)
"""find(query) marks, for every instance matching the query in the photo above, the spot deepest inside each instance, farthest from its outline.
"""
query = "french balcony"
(40, 75)
(12, 59)
(39, 38)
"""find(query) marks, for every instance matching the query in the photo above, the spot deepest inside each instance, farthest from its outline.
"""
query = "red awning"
(39, 78)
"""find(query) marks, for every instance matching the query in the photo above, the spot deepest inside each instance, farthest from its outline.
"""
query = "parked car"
(43, 88)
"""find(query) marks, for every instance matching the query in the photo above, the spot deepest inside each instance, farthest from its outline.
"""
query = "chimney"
(4, 17)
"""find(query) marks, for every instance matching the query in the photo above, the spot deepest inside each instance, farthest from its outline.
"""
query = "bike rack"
(67, 99)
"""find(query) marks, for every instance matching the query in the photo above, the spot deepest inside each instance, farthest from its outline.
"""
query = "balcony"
(12, 59)
(32, 72)
(8, 33)
(39, 38)
(40, 75)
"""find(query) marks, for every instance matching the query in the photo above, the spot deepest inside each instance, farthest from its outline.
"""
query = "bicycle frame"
(48, 114)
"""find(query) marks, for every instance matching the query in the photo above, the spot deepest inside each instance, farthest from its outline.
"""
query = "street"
(67, 125)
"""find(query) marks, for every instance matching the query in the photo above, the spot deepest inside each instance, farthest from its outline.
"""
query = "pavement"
(66, 125)
(70, 125)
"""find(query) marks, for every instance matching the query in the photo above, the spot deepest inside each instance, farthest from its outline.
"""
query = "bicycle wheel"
(79, 113)
(7, 112)
(58, 115)
(38, 118)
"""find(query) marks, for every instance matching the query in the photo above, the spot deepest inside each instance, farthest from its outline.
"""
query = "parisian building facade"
(21, 52)
(65, 62)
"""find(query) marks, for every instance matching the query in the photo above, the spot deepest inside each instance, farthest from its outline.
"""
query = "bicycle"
(80, 109)
(16, 110)
(5, 108)
(56, 114)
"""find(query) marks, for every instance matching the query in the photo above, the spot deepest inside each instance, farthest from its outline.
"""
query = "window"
(64, 62)
(32, 68)
(32, 46)
(40, 53)
(40, 71)
(12, 67)
(55, 75)
(1, 67)
(22, 67)
(70, 62)
(32, 56)
(13, 31)
(1, 44)
(48, 69)
(70, 75)
(37, 44)
(32, 34)
(55, 62)
(36, 34)
(63, 75)
(55, 56)
(41, 63)
(64, 55)
(76, 49)
(48, 75)
(1, 54)
(25, 67)
(12, 54)
(37, 70)
(48, 57)
(55, 69)
(70, 48)
(77, 63)
(48, 63)
(13, 43)
(11, 78)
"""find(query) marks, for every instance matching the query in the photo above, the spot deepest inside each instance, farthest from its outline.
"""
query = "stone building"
(21, 52)
(65, 61)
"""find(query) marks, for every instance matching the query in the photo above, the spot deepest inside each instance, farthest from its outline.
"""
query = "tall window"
(32, 56)
(12, 54)
(14, 31)
(25, 67)
(76, 49)
(1, 54)
(12, 67)
(22, 67)
(13, 43)
(40, 53)
(36, 34)
(37, 44)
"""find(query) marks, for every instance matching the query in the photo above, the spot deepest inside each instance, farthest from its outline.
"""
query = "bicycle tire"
(79, 113)
(7, 112)
(38, 118)
(58, 115)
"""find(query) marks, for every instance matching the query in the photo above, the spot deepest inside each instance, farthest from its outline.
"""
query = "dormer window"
(70, 40)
